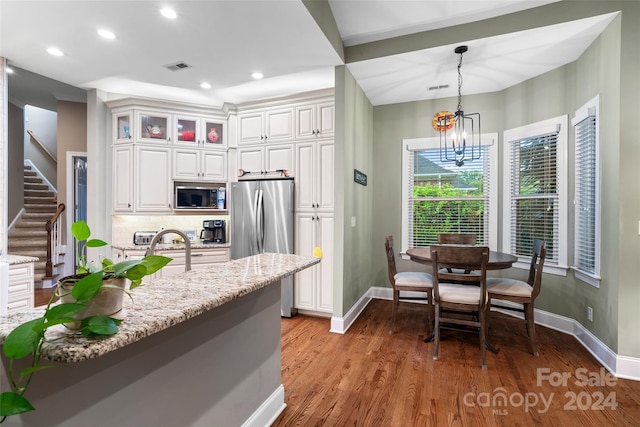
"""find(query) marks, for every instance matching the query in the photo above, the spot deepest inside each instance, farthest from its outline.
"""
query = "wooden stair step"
(36, 186)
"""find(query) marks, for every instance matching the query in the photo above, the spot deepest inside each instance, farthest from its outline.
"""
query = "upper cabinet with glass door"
(153, 127)
(122, 127)
(199, 132)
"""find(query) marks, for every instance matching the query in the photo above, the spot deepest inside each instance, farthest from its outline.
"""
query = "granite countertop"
(17, 259)
(162, 303)
(172, 246)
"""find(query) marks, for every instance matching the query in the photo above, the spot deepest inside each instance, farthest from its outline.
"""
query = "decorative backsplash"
(123, 226)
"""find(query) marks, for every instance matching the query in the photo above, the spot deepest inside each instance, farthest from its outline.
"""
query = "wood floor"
(368, 377)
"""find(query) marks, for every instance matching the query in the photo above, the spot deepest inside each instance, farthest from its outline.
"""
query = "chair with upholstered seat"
(518, 291)
(457, 294)
(406, 281)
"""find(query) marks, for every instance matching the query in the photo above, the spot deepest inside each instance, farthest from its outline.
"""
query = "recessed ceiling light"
(169, 13)
(205, 85)
(55, 51)
(257, 75)
(9, 70)
(106, 34)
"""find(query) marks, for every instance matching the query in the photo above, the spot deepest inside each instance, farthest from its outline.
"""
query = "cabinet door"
(186, 131)
(152, 184)
(305, 280)
(279, 157)
(305, 122)
(213, 134)
(305, 171)
(279, 125)
(250, 129)
(153, 127)
(185, 163)
(214, 165)
(250, 159)
(324, 288)
(325, 176)
(122, 127)
(325, 125)
(123, 179)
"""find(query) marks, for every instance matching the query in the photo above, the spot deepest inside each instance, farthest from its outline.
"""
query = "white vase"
(108, 302)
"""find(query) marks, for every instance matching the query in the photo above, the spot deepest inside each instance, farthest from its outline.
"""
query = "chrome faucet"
(187, 243)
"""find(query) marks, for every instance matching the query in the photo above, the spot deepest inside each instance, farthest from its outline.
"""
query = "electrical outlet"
(589, 314)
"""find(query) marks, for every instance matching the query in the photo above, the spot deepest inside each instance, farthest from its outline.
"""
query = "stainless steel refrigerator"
(262, 215)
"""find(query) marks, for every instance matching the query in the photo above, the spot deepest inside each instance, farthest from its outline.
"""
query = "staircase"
(29, 237)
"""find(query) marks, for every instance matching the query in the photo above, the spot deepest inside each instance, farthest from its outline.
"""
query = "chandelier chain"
(460, 83)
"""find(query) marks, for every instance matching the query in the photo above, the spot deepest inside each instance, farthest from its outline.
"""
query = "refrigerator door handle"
(259, 223)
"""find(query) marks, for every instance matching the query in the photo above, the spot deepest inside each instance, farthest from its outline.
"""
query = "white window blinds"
(442, 197)
(587, 195)
(534, 194)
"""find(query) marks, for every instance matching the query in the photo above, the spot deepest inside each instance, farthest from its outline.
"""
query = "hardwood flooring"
(368, 377)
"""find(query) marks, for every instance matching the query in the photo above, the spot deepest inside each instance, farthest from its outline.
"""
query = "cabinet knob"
(128, 205)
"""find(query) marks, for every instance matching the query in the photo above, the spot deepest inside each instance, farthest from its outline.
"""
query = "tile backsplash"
(123, 226)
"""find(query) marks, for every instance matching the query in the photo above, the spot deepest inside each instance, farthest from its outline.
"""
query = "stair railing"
(54, 240)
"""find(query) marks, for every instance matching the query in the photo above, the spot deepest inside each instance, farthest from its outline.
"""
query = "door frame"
(69, 262)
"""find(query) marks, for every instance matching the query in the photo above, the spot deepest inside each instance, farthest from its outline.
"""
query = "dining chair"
(460, 293)
(518, 291)
(457, 239)
(406, 281)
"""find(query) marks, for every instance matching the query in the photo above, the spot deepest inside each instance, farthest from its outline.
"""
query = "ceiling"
(223, 42)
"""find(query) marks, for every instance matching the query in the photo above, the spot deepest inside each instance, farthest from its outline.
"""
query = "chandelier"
(459, 132)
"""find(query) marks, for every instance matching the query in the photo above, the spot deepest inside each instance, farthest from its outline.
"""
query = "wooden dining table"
(497, 260)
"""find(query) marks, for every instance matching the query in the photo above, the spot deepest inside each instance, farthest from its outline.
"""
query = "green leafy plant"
(28, 338)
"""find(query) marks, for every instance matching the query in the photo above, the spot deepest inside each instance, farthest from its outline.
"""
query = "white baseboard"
(270, 409)
(339, 325)
(620, 366)
(15, 220)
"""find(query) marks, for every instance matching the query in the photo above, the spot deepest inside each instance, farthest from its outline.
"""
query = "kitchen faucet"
(187, 243)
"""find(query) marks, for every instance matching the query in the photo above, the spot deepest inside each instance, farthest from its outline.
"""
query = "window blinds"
(443, 197)
(534, 195)
(586, 193)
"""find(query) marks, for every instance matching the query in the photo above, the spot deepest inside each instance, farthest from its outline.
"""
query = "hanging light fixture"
(459, 132)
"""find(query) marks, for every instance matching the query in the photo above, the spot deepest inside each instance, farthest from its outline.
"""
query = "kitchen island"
(199, 348)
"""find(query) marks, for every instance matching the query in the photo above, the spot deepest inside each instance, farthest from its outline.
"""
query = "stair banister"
(54, 240)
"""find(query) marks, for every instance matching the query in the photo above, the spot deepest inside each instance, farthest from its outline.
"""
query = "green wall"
(609, 64)
(353, 150)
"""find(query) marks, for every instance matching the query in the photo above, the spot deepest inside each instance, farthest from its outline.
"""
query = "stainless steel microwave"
(196, 196)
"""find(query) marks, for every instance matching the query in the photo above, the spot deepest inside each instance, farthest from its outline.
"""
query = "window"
(535, 192)
(587, 194)
(442, 197)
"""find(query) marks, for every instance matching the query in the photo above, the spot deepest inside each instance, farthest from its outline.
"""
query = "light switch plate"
(353, 221)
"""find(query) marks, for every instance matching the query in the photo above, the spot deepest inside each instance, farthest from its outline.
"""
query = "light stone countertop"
(17, 259)
(172, 246)
(162, 303)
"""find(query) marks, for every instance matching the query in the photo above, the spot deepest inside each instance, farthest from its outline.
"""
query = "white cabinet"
(313, 287)
(122, 178)
(199, 164)
(200, 260)
(152, 182)
(20, 293)
(153, 127)
(141, 178)
(315, 120)
(269, 158)
(196, 131)
(315, 176)
(265, 126)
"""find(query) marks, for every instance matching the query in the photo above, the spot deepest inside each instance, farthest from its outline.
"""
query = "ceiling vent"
(178, 66)
(438, 87)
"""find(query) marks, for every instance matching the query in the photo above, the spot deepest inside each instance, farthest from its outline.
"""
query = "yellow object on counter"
(317, 252)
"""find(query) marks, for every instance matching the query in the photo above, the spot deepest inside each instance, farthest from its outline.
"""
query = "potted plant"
(90, 285)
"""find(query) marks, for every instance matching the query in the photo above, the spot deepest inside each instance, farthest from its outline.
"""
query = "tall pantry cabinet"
(297, 135)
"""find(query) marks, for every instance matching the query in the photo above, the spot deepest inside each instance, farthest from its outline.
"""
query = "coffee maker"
(213, 231)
